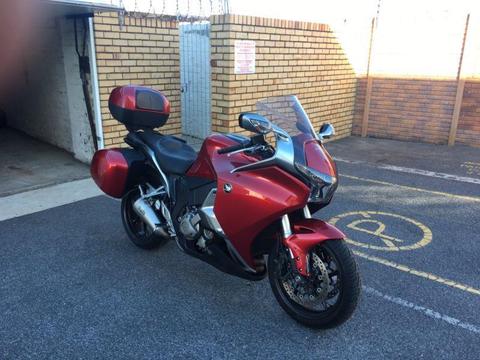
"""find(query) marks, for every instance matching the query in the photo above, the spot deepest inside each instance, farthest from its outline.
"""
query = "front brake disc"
(321, 282)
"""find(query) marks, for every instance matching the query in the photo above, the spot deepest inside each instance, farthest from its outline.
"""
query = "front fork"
(306, 234)
(301, 260)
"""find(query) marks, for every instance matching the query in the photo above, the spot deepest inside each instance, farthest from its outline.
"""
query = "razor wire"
(180, 10)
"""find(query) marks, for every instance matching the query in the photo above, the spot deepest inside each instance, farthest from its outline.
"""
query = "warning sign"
(244, 57)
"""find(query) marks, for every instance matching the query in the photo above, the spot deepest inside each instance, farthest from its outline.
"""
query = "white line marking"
(434, 174)
(426, 311)
(30, 202)
(454, 196)
(422, 274)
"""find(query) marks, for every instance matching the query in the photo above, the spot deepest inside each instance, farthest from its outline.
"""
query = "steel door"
(195, 79)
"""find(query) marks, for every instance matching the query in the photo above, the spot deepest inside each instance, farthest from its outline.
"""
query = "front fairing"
(248, 201)
(253, 193)
(309, 160)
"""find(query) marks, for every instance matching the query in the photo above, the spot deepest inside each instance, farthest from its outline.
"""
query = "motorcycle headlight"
(322, 186)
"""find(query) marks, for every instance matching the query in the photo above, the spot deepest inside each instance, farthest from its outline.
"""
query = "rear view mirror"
(255, 123)
(326, 131)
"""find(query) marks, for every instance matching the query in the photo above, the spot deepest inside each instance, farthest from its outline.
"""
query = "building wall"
(143, 52)
(48, 102)
(39, 106)
(468, 131)
(80, 131)
(292, 57)
(418, 110)
(413, 62)
(407, 109)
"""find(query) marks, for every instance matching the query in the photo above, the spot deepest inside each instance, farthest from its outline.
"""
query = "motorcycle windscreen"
(287, 113)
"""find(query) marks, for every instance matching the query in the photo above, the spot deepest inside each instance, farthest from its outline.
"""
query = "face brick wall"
(407, 109)
(292, 57)
(468, 131)
(298, 58)
(418, 110)
(144, 52)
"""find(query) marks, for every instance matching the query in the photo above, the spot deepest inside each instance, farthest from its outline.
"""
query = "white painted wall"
(40, 105)
(48, 103)
(82, 142)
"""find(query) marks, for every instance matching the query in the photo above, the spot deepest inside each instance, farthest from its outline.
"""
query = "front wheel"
(328, 296)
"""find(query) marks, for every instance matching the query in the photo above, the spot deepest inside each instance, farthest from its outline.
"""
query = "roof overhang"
(76, 7)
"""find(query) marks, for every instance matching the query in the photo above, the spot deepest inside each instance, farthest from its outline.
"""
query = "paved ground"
(72, 285)
(27, 164)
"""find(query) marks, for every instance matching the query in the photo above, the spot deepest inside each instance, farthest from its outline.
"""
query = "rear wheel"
(138, 232)
(328, 296)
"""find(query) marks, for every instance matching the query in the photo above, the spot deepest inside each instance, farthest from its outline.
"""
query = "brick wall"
(144, 52)
(418, 110)
(292, 57)
(468, 131)
(407, 109)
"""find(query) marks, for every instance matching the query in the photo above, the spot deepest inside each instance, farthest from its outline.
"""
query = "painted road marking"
(422, 274)
(390, 243)
(473, 168)
(454, 196)
(434, 174)
(426, 311)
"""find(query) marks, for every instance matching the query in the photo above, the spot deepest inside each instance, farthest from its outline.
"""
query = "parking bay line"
(459, 197)
(426, 311)
(407, 170)
(422, 274)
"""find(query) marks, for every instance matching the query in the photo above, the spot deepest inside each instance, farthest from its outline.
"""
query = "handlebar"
(254, 141)
(233, 148)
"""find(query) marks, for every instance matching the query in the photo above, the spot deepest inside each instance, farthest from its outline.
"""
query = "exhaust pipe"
(149, 217)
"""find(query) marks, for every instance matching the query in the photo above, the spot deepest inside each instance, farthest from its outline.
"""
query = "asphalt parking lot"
(72, 285)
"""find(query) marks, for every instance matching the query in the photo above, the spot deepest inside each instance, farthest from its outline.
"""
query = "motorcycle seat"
(174, 155)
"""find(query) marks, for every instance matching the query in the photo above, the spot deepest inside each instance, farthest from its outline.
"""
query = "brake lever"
(253, 149)
(241, 150)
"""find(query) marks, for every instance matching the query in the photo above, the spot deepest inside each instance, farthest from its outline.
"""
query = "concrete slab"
(33, 201)
(27, 164)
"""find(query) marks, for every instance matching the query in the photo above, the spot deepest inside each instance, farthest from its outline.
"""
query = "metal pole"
(368, 90)
(460, 87)
(95, 88)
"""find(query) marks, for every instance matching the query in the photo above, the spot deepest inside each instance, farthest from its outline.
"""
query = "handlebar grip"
(232, 148)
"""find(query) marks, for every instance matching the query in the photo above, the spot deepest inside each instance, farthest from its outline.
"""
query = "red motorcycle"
(241, 204)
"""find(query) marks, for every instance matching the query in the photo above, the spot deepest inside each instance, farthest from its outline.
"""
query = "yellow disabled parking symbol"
(382, 231)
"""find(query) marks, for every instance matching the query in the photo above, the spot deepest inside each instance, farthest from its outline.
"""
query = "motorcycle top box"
(139, 107)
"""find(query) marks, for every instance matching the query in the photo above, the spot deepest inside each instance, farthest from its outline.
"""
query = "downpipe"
(143, 209)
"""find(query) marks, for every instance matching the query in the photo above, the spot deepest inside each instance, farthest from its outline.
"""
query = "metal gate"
(195, 79)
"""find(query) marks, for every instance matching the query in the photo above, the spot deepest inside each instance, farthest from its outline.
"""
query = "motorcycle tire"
(135, 228)
(348, 290)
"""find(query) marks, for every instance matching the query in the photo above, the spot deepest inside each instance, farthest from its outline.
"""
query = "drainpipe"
(95, 89)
